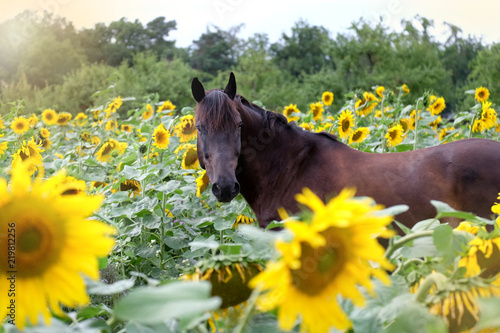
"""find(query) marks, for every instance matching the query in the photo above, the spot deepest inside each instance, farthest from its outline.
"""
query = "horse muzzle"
(225, 191)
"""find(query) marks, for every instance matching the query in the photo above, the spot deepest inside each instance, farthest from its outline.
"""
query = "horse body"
(273, 160)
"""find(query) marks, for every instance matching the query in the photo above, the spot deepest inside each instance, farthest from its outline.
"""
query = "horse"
(246, 149)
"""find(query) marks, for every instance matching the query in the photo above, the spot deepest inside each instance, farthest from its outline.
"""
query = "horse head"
(219, 137)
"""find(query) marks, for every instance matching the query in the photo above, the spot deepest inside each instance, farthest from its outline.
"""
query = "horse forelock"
(217, 112)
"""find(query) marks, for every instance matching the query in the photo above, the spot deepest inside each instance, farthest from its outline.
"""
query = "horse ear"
(197, 90)
(230, 89)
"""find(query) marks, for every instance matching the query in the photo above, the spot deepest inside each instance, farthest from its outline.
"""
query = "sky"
(274, 18)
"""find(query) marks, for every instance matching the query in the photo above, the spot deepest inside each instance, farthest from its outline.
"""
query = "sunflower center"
(356, 136)
(160, 137)
(345, 125)
(39, 236)
(393, 135)
(188, 128)
(320, 266)
(20, 125)
(191, 157)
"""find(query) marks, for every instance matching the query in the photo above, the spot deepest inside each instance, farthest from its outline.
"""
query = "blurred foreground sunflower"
(330, 255)
(29, 150)
(54, 245)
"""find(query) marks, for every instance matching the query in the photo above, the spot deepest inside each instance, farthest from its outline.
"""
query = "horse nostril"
(236, 189)
(216, 189)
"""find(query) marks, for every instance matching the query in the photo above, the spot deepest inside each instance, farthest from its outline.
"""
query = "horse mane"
(273, 120)
(217, 112)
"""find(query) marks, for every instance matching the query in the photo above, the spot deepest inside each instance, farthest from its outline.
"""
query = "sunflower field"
(108, 224)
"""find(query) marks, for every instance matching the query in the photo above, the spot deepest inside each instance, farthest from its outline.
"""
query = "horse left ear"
(197, 90)
(230, 89)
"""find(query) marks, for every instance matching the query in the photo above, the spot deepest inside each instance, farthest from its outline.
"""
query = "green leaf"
(101, 288)
(443, 238)
(392, 211)
(154, 305)
(470, 92)
(103, 262)
(488, 315)
(428, 224)
(444, 210)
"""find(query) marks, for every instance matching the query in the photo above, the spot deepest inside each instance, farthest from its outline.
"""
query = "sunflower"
(33, 120)
(202, 183)
(482, 94)
(63, 118)
(3, 148)
(29, 150)
(190, 159)
(111, 125)
(489, 115)
(327, 98)
(483, 258)
(183, 147)
(2, 126)
(287, 112)
(405, 88)
(44, 133)
(95, 140)
(107, 150)
(243, 219)
(437, 106)
(148, 113)
(444, 132)
(468, 227)
(113, 106)
(131, 185)
(68, 185)
(96, 114)
(359, 135)
(54, 242)
(20, 125)
(317, 110)
(366, 105)
(161, 137)
(49, 117)
(81, 119)
(380, 91)
(405, 124)
(346, 124)
(434, 124)
(166, 106)
(45, 142)
(186, 129)
(328, 256)
(126, 128)
(307, 127)
(394, 135)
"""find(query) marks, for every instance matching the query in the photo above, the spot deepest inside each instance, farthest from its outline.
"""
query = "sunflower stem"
(250, 309)
(432, 279)
(406, 239)
(472, 124)
(416, 123)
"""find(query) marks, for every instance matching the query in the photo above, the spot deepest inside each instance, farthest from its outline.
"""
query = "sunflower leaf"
(175, 300)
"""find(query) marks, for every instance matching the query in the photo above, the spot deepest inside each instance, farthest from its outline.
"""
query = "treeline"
(46, 62)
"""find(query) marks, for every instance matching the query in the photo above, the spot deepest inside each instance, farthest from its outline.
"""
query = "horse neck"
(266, 153)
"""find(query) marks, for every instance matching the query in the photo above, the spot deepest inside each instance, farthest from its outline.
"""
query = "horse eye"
(240, 124)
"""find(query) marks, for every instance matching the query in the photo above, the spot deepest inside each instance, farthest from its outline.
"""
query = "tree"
(304, 52)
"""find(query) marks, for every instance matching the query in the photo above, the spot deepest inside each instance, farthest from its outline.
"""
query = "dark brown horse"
(247, 149)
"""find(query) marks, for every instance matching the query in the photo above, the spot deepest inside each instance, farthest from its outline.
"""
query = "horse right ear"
(230, 89)
(197, 90)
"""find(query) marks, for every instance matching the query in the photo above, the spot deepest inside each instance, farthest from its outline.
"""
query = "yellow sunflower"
(359, 135)
(54, 242)
(2, 126)
(3, 148)
(434, 124)
(366, 105)
(183, 147)
(161, 137)
(202, 183)
(405, 88)
(482, 94)
(445, 132)
(33, 120)
(49, 117)
(186, 129)
(166, 106)
(81, 119)
(394, 135)
(111, 125)
(113, 106)
(307, 127)
(327, 98)
(29, 150)
(107, 150)
(488, 115)
(63, 118)
(148, 113)
(126, 128)
(45, 142)
(346, 124)
(380, 91)
(243, 219)
(405, 124)
(287, 112)
(190, 159)
(20, 125)
(131, 185)
(44, 133)
(317, 110)
(330, 255)
(437, 106)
